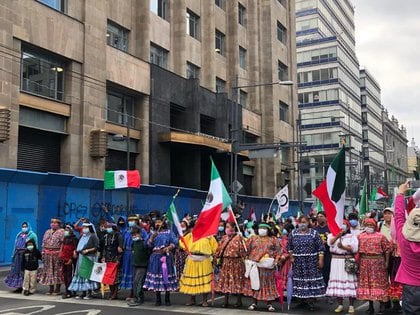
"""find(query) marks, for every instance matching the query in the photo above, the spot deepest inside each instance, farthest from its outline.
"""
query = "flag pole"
(269, 208)
(237, 225)
(181, 236)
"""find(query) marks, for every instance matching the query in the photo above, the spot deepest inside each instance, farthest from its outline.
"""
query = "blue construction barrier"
(36, 197)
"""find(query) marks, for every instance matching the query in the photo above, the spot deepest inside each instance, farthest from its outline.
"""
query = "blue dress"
(154, 278)
(127, 260)
(308, 281)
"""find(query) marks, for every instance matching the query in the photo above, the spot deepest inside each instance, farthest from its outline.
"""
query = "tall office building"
(372, 133)
(73, 74)
(328, 90)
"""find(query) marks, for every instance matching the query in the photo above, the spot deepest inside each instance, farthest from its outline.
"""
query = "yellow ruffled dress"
(197, 275)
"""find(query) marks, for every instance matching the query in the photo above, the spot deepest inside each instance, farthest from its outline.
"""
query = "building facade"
(372, 132)
(328, 91)
(413, 159)
(76, 73)
(395, 152)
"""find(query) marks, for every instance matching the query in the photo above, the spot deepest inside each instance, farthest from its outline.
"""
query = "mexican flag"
(99, 272)
(217, 200)
(377, 194)
(121, 179)
(364, 202)
(172, 216)
(332, 191)
(228, 215)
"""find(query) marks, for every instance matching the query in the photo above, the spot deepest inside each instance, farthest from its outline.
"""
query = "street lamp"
(120, 137)
(235, 128)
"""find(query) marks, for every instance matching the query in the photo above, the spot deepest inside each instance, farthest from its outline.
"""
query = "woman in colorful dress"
(66, 255)
(111, 250)
(374, 251)
(52, 272)
(342, 284)
(230, 254)
(286, 258)
(14, 279)
(127, 257)
(198, 271)
(264, 251)
(160, 276)
(87, 247)
(307, 250)
(180, 253)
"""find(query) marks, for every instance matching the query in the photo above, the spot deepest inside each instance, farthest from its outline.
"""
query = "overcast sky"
(388, 45)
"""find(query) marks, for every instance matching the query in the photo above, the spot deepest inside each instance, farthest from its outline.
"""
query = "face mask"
(303, 226)
(109, 230)
(184, 229)
(230, 232)
(344, 228)
(284, 232)
(262, 232)
(135, 239)
(247, 234)
(85, 230)
(54, 226)
(24, 230)
(354, 223)
(131, 223)
(221, 228)
(369, 230)
(30, 247)
(66, 233)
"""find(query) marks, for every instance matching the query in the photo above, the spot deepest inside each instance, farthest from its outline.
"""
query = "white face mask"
(369, 230)
(85, 230)
(262, 232)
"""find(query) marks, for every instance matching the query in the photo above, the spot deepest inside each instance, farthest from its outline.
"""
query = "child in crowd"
(30, 267)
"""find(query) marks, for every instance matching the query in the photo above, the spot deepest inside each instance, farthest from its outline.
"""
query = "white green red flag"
(217, 199)
(378, 193)
(332, 192)
(172, 216)
(121, 179)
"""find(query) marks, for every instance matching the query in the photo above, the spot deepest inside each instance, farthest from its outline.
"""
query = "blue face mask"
(221, 228)
(135, 239)
(66, 233)
(109, 230)
(30, 247)
(25, 230)
(131, 223)
(353, 223)
(285, 232)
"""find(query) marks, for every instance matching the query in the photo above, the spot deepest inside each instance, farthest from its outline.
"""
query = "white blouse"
(347, 240)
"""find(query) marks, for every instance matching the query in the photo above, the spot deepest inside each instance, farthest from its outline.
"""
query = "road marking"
(87, 312)
(42, 308)
(361, 306)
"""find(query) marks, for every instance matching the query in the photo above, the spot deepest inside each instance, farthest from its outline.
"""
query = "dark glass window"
(118, 105)
(117, 36)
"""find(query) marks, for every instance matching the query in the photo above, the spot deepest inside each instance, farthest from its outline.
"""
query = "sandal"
(205, 304)
(270, 308)
(190, 303)
(252, 307)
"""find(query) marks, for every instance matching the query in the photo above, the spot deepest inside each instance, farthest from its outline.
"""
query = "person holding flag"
(181, 253)
(160, 276)
(230, 260)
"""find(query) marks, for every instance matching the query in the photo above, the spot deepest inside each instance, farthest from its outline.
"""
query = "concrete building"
(395, 149)
(372, 133)
(75, 73)
(329, 92)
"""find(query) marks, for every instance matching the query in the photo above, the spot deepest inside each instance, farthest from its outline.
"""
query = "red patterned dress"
(373, 281)
(260, 247)
(52, 273)
(395, 289)
(231, 252)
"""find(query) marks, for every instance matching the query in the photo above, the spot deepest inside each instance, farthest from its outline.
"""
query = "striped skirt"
(341, 284)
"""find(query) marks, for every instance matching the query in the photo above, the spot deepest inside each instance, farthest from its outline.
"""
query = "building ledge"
(194, 139)
(44, 104)
(122, 130)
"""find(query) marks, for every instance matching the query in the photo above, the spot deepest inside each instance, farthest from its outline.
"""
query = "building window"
(243, 98)
(42, 74)
(282, 2)
(193, 72)
(117, 36)
(118, 106)
(283, 71)
(364, 118)
(207, 125)
(284, 112)
(59, 5)
(220, 85)
(365, 135)
(220, 3)
(281, 32)
(160, 8)
(158, 56)
(220, 43)
(193, 25)
(363, 99)
(242, 57)
(241, 14)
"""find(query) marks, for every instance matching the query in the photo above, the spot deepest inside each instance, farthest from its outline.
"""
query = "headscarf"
(31, 235)
(371, 221)
(411, 228)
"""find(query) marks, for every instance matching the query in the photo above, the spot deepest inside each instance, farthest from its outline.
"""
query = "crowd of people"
(367, 260)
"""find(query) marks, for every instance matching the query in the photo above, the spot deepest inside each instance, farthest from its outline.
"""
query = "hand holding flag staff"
(172, 217)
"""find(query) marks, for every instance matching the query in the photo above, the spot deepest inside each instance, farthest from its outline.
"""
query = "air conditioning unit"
(4, 124)
(98, 143)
